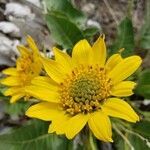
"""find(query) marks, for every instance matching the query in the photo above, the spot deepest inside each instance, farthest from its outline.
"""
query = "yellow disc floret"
(85, 89)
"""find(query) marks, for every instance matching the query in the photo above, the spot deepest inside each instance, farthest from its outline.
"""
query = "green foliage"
(66, 23)
(143, 87)
(17, 108)
(142, 128)
(145, 31)
(137, 137)
(33, 137)
(66, 7)
(135, 141)
(125, 38)
(2, 89)
(63, 31)
(90, 32)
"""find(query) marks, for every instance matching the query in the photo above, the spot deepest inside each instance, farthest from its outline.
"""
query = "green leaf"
(33, 137)
(66, 7)
(143, 87)
(145, 30)
(18, 108)
(141, 142)
(137, 143)
(142, 128)
(1, 95)
(90, 32)
(137, 138)
(2, 89)
(64, 32)
(125, 38)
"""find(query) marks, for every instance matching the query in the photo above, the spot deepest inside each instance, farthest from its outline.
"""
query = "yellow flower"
(81, 90)
(28, 66)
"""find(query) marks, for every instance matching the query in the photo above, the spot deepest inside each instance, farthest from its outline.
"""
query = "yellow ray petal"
(23, 50)
(123, 88)
(13, 90)
(46, 82)
(43, 93)
(11, 81)
(100, 125)
(64, 59)
(118, 108)
(10, 71)
(16, 97)
(99, 51)
(125, 68)
(54, 70)
(59, 124)
(75, 124)
(45, 110)
(113, 61)
(82, 53)
(32, 44)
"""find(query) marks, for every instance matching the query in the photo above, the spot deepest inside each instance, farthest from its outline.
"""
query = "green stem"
(123, 137)
(136, 134)
(88, 140)
(92, 141)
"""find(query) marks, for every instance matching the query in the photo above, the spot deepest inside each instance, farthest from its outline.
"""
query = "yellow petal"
(23, 50)
(75, 124)
(43, 93)
(99, 51)
(32, 44)
(123, 88)
(59, 124)
(10, 71)
(118, 108)
(113, 61)
(100, 125)
(46, 82)
(11, 81)
(13, 90)
(125, 68)
(54, 70)
(44, 110)
(82, 53)
(16, 97)
(64, 59)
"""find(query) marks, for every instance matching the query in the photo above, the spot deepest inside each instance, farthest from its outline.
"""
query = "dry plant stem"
(88, 140)
(136, 134)
(123, 136)
(111, 12)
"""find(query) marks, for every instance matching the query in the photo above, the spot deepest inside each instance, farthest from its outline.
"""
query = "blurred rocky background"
(19, 18)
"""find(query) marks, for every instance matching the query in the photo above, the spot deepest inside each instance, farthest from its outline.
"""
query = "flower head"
(82, 89)
(28, 66)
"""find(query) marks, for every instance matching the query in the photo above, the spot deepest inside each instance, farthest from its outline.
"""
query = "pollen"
(24, 62)
(27, 68)
(85, 90)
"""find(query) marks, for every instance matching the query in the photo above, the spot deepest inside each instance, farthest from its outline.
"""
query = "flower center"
(84, 90)
(24, 63)
(28, 68)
